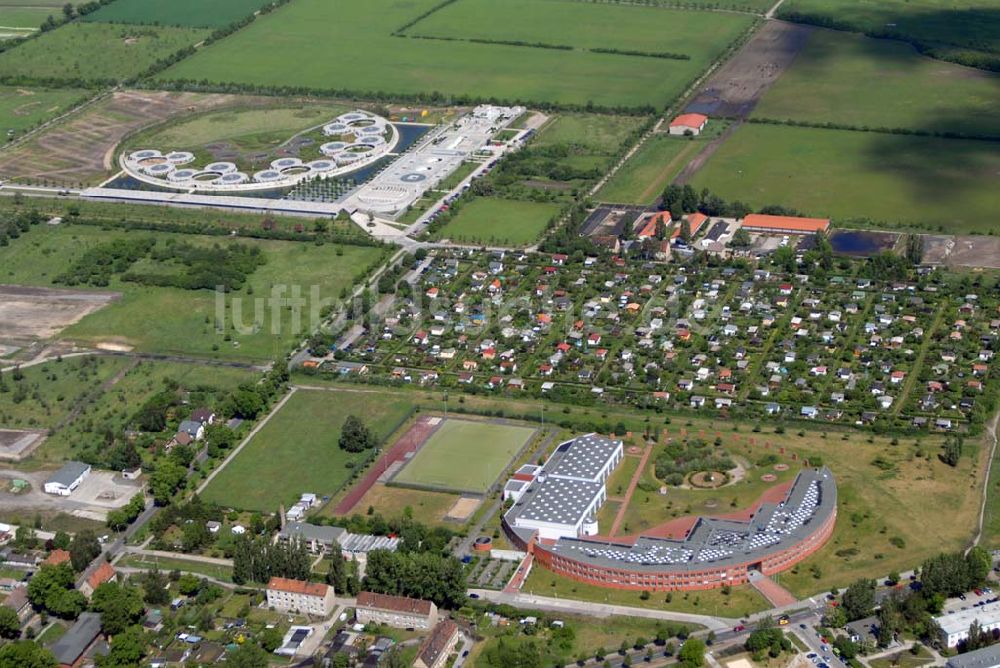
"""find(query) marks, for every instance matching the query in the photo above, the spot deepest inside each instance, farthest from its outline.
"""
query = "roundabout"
(357, 139)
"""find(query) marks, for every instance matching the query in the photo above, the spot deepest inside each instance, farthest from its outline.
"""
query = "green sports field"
(861, 177)
(464, 456)
(496, 221)
(297, 451)
(188, 13)
(850, 79)
(95, 51)
(348, 45)
(22, 108)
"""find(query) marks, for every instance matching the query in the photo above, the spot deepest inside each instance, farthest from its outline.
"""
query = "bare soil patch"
(735, 88)
(80, 150)
(17, 444)
(29, 313)
(463, 509)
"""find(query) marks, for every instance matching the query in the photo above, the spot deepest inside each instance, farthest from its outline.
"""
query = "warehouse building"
(766, 224)
(563, 498)
(67, 479)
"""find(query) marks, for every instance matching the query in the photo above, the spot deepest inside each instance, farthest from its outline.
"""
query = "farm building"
(694, 220)
(759, 222)
(67, 479)
(688, 123)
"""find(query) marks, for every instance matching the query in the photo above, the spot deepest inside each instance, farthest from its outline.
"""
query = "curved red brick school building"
(714, 552)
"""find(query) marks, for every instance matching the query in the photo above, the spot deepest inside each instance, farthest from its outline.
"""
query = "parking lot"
(99, 492)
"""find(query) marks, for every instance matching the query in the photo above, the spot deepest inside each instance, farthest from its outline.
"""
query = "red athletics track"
(407, 443)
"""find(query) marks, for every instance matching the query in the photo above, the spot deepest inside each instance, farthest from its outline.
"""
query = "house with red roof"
(103, 573)
(688, 124)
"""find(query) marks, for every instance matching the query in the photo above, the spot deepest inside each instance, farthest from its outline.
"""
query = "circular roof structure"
(233, 177)
(285, 163)
(180, 157)
(159, 169)
(370, 137)
(144, 154)
(221, 167)
(267, 175)
(181, 174)
(321, 165)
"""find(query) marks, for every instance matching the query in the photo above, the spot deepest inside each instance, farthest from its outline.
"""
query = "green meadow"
(349, 45)
(860, 176)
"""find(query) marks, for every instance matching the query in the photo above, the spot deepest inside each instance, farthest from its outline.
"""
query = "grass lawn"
(51, 390)
(643, 178)
(904, 659)
(968, 24)
(859, 177)
(27, 18)
(845, 78)
(185, 319)
(741, 601)
(619, 481)
(23, 108)
(430, 507)
(322, 45)
(53, 632)
(190, 13)
(297, 450)
(649, 509)
(503, 222)
(95, 51)
(113, 408)
(217, 571)
(486, 448)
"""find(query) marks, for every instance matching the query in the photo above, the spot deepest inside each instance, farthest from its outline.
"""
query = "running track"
(408, 443)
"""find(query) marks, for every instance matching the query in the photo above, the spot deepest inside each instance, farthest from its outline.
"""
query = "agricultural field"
(82, 52)
(892, 180)
(184, 319)
(24, 19)
(23, 108)
(643, 178)
(343, 45)
(847, 78)
(297, 451)
(952, 27)
(582, 25)
(187, 13)
(486, 448)
(495, 221)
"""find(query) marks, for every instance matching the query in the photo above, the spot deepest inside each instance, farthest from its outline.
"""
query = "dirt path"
(991, 432)
(620, 517)
(699, 160)
(654, 189)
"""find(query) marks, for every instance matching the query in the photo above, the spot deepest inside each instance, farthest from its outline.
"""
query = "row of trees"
(258, 559)
(425, 575)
